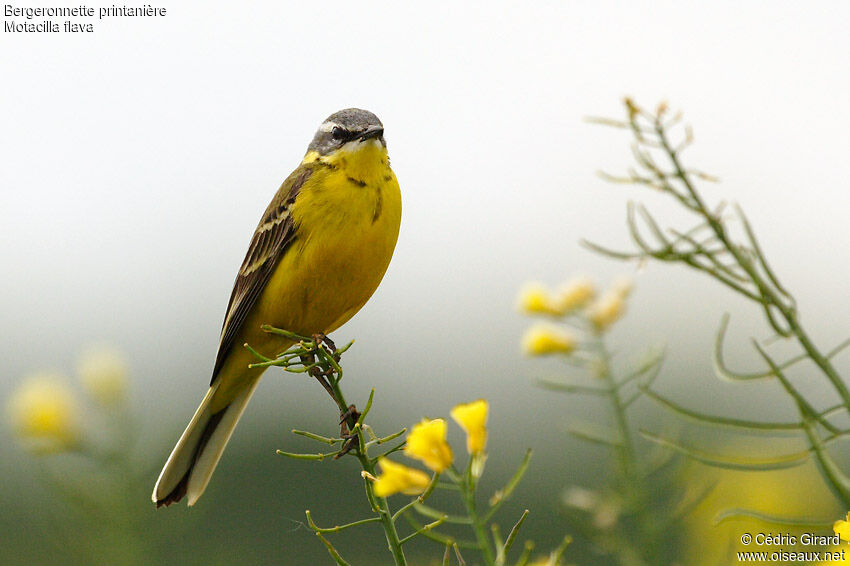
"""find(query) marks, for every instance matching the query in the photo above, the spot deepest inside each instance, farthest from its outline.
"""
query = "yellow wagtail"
(318, 254)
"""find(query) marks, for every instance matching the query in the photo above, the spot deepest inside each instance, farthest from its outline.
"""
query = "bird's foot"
(323, 379)
(347, 421)
(320, 338)
(351, 415)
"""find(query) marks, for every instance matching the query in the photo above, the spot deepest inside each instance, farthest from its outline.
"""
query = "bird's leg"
(323, 379)
(315, 371)
(346, 422)
(329, 344)
(319, 338)
(349, 416)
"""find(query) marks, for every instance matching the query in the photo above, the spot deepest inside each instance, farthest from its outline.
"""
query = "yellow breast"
(346, 221)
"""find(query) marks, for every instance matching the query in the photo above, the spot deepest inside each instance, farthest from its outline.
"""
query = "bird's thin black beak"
(371, 132)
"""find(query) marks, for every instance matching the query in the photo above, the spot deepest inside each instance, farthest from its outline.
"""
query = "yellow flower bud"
(427, 442)
(396, 478)
(842, 528)
(103, 373)
(43, 410)
(535, 298)
(543, 339)
(472, 418)
(607, 310)
(575, 294)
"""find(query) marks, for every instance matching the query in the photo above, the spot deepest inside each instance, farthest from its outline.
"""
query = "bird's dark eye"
(339, 133)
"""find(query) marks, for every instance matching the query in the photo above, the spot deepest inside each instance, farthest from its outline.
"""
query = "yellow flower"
(710, 543)
(43, 409)
(575, 294)
(427, 442)
(396, 478)
(842, 528)
(535, 298)
(103, 372)
(542, 339)
(472, 418)
(611, 306)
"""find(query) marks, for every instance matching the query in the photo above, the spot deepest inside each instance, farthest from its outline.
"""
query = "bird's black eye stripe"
(340, 133)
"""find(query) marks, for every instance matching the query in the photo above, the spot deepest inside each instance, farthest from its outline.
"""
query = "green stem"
(382, 507)
(626, 451)
(467, 488)
(767, 291)
(379, 504)
(822, 361)
(834, 476)
(480, 534)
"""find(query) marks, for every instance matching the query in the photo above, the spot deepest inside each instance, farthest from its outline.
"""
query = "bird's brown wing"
(271, 239)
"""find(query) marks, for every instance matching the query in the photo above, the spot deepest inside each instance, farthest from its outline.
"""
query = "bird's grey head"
(346, 126)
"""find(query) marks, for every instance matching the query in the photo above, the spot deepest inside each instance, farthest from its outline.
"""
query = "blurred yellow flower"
(711, 543)
(43, 409)
(103, 373)
(842, 528)
(607, 310)
(542, 339)
(575, 294)
(472, 417)
(427, 442)
(535, 298)
(396, 478)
